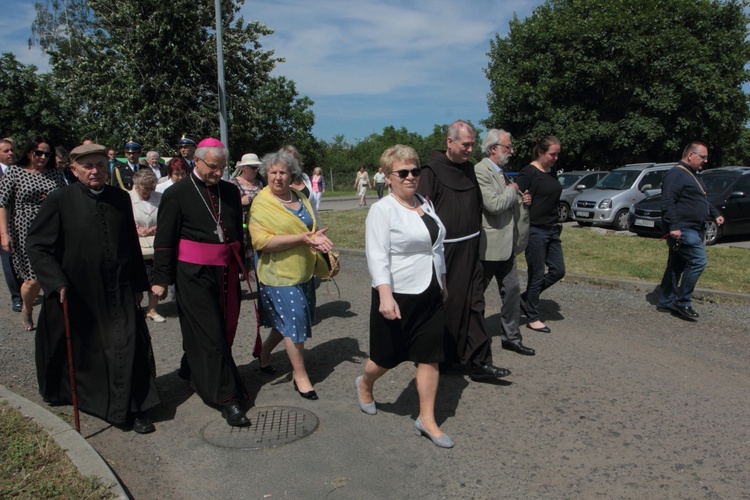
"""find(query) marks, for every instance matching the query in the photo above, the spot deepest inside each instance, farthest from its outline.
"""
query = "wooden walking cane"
(71, 371)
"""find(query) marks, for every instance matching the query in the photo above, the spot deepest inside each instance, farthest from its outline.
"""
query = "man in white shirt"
(158, 168)
(8, 158)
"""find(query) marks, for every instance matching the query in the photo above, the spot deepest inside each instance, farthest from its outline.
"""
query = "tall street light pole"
(222, 87)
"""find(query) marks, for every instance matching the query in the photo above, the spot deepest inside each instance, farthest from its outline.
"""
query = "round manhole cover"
(272, 426)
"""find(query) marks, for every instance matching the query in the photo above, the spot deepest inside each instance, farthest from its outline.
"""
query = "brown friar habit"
(202, 294)
(87, 242)
(454, 191)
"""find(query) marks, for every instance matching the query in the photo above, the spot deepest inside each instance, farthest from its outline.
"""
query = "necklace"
(219, 231)
(402, 202)
(290, 200)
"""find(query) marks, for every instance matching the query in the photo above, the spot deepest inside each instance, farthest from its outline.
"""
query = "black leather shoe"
(544, 329)
(312, 395)
(485, 371)
(17, 306)
(686, 312)
(143, 425)
(270, 370)
(233, 414)
(519, 348)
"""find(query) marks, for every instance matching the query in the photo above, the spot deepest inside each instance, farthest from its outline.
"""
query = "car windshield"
(567, 180)
(717, 184)
(621, 180)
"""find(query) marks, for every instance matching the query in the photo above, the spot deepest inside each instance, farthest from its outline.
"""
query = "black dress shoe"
(17, 306)
(544, 329)
(270, 370)
(307, 395)
(142, 424)
(485, 371)
(686, 312)
(519, 348)
(233, 414)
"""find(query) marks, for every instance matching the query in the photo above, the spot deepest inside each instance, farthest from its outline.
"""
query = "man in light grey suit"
(504, 233)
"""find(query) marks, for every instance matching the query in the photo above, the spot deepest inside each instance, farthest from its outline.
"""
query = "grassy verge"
(605, 255)
(32, 465)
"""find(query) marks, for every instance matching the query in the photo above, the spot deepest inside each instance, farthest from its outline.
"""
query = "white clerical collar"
(96, 192)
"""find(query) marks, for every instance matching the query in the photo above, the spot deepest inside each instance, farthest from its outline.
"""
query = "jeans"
(544, 248)
(684, 267)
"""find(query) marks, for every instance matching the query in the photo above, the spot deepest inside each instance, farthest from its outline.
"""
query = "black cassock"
(88, 243)
(454, 191)
(189, 210)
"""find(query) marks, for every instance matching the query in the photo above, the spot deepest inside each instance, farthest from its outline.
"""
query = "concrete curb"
(82, 454)
(633, 285)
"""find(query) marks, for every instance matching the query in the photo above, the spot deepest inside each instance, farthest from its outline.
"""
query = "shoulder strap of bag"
(700, 186)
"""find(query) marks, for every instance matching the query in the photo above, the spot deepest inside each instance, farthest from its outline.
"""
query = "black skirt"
(417, 336)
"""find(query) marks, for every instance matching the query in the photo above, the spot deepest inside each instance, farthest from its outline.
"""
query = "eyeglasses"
(253, 167)
(40, 154)
(212, 166)
(508, 147)
(403, 174)
(704, 157)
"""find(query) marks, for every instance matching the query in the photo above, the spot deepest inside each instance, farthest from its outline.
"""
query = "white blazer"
(399, 250)
(144, 213)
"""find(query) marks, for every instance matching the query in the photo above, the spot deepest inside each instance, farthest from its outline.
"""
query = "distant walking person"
(685, 209)
(84, 248)
(379, 180)
(361, 183)
(544, 247)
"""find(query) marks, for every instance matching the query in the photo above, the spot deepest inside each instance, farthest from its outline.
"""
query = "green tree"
(623, 80)
(29, 105)
(147, 69)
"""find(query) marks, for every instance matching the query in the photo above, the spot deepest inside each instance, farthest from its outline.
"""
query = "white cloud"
(17, 20)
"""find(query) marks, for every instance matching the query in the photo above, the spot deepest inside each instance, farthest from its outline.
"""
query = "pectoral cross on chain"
(219, 232)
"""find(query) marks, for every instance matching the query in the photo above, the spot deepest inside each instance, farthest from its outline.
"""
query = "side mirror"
(646, 187)
(580, 187)
(737, 194)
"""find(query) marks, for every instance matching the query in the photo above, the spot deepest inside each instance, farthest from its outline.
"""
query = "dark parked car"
(728, 189)
(573, 183)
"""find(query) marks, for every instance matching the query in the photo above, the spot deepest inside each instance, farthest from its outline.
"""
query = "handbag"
(327, 265)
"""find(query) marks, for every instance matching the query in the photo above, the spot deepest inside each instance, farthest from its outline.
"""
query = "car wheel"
(620, 223)
(712, 233)
(584, 224)
(564, 212)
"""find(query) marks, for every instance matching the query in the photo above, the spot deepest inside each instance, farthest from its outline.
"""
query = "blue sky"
(367, 64)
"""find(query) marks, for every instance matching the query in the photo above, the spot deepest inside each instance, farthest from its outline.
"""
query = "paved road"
(620, 402)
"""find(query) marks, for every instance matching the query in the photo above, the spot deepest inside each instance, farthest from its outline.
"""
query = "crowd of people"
(120, 232)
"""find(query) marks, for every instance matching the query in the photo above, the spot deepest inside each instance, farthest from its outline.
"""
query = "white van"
(609, 201)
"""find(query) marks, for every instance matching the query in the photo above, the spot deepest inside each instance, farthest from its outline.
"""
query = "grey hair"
(202, 152)
(455, 128)
(281, 157)
(491, 138)
(152, 153)
(144, 177)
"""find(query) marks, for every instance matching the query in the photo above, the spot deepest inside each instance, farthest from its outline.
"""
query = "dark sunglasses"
(39, 153)
(403, 174)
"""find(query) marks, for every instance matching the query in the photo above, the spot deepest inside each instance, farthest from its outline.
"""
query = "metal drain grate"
(272, 426)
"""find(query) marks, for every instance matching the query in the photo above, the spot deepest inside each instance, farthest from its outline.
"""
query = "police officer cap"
(185, 141)
(87, 150)
(131, 146)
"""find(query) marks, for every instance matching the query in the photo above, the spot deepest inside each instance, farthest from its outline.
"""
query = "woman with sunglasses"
(404, 245)
(22, 190)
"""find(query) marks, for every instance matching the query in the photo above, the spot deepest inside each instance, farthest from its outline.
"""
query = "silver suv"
(610, 200)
